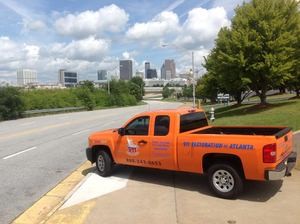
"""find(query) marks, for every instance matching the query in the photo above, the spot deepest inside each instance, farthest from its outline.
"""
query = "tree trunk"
(238, 99)
(262, 96)
(297, 92)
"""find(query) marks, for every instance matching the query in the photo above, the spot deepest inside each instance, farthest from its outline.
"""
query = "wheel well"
(97, 148)
(213, 158)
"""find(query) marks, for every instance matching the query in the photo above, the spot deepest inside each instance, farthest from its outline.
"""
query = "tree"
(135, 90)
(166, 93)
(258, 51)
(11, 103)
(226, 66)
(207, 87)
(139, 81)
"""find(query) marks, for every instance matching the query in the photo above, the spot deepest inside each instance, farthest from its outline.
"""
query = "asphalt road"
(37, 153)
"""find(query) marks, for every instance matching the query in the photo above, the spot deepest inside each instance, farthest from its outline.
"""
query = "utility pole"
(193, 80)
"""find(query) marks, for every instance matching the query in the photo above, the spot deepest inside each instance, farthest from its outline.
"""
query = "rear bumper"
(89, 154)
(283, 169)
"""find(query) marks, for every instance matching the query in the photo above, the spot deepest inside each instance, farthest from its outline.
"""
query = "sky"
(86, 36)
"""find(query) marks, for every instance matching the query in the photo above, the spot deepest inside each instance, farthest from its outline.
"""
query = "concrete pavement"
(155, 196)
(39, 152)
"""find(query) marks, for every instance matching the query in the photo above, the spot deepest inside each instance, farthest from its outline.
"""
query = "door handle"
(142, 142)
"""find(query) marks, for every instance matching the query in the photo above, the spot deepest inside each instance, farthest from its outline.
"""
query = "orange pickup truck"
(182, 140)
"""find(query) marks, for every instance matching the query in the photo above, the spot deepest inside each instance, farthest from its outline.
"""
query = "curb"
(49, 203)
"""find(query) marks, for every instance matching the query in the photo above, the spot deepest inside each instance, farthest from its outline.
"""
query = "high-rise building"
(168, 69)
(147, 66)
(67, 78)
(102, 74)
(125, 69)
(26, 77)
(163, 72)
(151, 73)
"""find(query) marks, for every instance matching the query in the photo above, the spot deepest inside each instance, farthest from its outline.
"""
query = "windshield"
(192, 121)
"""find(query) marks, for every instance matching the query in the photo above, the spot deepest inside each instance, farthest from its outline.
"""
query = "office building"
(151, 73)
(102, 75)
(147, 66)
(125, 69)
(168, 69)
(67, 78)
(26, 77)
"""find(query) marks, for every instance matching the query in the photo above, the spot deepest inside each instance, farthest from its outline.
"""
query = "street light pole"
(193, 70)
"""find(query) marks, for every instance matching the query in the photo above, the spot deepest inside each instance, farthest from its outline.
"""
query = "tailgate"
(284, 143)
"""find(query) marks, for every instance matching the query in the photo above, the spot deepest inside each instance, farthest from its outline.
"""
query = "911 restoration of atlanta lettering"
(182, 140)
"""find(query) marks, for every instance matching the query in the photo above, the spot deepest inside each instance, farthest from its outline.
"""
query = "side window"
(139, 126)
(162, 125)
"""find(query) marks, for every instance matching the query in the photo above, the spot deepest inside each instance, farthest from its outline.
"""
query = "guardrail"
(53, 110)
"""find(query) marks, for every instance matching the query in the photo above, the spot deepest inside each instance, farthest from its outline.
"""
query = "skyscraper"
(147, 66)
(26, 76)
(168, 69)
(102, 74)
(151, 73)
(125, 69)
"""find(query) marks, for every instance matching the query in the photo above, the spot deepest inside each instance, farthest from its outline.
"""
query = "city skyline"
(46, 36)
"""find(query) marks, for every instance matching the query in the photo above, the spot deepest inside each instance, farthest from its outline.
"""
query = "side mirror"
(121, 131)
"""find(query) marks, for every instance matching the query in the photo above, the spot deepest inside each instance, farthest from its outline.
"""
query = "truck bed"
(263, 131)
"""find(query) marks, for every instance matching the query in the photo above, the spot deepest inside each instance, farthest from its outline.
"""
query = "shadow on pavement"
(255, 191)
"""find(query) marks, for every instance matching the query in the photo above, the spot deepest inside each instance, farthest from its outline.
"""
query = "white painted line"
(18, 153)
(296, 132)
(80, 132)
(94, 186)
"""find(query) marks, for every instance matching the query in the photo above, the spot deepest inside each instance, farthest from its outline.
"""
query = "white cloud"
(16, 55)
(164, 24)
(34, 25)
(109, 18)
(201, 27)
(184, 62)
(86, 49)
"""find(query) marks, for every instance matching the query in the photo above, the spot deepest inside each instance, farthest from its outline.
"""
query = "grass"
(279, 113)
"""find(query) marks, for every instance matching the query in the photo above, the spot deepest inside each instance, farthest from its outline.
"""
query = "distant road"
(37, 153)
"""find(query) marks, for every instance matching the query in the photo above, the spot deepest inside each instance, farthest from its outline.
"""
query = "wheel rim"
(101, 163)
(223, 181)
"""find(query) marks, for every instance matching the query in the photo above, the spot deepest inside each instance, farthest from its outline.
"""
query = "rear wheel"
(225, 181)
(104, 163)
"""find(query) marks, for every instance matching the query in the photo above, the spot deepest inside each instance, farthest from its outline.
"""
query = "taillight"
(269, 153)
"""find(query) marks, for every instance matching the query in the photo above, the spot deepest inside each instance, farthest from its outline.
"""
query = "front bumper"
(282, 169)
(89, 154)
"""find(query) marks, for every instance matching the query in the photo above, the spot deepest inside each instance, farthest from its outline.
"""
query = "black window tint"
(139, 126)
(192, 121)
(162, 124)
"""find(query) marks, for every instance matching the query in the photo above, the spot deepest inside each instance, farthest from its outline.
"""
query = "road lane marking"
(80, 132)
(18, 153)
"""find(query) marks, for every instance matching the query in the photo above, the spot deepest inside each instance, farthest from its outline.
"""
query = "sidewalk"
(138, 195)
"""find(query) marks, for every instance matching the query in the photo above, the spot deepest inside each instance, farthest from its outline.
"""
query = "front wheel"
(104, 163)
(225, 181)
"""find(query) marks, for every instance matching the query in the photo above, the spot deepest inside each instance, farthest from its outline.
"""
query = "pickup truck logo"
(132, 148)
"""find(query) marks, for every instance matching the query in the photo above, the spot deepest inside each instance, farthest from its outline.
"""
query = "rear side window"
(162, 125)
(192, 121)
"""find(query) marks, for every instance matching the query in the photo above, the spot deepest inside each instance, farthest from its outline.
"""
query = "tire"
(225, 181)
(104, 163)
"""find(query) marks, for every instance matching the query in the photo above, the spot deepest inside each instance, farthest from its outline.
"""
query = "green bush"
(11, 103)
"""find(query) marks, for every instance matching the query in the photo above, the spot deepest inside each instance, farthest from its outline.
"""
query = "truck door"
(162, 149)
(133, 147)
